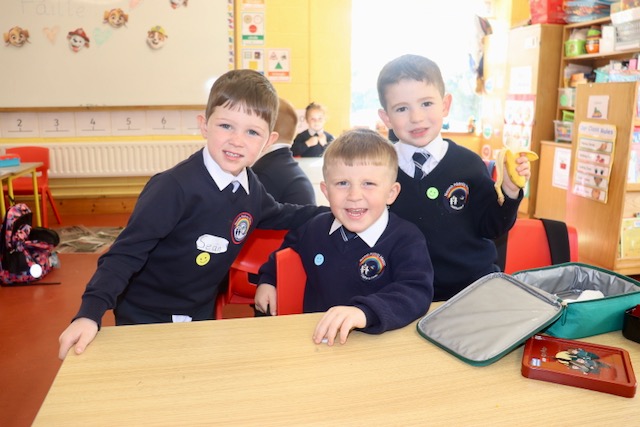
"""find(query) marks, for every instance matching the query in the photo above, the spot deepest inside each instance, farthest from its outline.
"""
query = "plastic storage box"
(567, 96)
(563, 130)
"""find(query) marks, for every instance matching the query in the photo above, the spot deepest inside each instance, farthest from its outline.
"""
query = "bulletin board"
(117, 65)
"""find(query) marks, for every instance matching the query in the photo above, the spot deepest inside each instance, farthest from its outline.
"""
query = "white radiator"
(113, 159)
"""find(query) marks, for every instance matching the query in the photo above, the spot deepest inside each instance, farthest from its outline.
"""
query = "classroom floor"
(31, 319)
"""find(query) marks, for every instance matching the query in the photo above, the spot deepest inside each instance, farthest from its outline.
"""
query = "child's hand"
(338, 320)
(524, 170)
(266, 296)
(322, 139)
(80, 332)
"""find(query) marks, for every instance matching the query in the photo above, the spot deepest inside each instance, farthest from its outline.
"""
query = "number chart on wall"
(77, 53)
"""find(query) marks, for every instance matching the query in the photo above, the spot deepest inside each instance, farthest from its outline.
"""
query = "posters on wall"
(276, 63)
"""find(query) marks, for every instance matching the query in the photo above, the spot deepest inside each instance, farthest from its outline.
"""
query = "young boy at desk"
(276, 168)
(367, 268)
(191, 221)
(446, 189)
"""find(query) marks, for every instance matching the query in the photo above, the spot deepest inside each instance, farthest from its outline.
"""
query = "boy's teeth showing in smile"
(230, 154)
(356, 213)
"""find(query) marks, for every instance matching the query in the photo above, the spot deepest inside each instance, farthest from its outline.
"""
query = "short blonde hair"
(287, 121)
(362, 147)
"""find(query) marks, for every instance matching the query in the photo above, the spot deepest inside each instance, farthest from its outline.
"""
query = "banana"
(506, 159)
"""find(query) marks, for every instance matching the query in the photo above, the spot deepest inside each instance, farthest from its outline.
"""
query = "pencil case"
(7, 160)
(585, 318)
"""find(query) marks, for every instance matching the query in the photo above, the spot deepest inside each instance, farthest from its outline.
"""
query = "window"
(448, 34)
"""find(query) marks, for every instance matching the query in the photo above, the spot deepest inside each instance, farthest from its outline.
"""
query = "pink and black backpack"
(25, 252)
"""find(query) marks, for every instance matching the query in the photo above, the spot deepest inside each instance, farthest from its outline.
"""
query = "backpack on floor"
(26, 252)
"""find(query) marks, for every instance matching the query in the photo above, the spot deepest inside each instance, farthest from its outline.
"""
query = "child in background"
(367, 268)
(446, 189)
(313, 141)
(276, 168)
(191, 221)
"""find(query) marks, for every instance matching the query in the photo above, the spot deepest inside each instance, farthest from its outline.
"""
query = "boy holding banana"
(446, 189)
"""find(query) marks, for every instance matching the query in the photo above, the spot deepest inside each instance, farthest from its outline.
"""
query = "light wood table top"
(267, 372)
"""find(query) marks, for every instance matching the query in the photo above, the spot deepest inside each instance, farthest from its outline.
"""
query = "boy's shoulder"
(460, 150)
(403, 226)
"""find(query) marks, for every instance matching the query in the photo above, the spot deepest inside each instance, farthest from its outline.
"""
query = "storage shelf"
(589, 57)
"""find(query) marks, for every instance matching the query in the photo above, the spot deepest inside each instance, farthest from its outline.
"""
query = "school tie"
(236, 185)
(419, 158)
(347, 235)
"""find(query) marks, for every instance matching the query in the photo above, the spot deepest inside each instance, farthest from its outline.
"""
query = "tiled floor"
(31, 319)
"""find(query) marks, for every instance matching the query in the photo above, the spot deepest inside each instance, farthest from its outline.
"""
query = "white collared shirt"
(222, 178)
(371, 235)
(436, 150)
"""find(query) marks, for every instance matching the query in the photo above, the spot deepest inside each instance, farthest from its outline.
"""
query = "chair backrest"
(291, 281)
(528, 246)
(255, 252)
(33, 154)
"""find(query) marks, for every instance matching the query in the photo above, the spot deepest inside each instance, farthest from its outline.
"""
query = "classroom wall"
(319, 36)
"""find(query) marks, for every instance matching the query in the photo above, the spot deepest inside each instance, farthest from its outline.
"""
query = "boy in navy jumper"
(191, 221)
(367, 268)
(276, 168)
(446, 189)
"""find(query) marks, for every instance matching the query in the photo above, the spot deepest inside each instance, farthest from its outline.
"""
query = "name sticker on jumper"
(212, 244)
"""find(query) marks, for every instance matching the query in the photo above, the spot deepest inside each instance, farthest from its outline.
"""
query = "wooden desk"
(268, 372)
(10, 173)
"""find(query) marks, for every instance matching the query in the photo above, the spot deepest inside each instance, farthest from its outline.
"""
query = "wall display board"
(79, 53)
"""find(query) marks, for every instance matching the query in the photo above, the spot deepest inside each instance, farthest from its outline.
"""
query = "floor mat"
(81, 239)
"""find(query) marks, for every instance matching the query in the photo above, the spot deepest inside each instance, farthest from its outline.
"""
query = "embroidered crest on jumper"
(456, 196)
(371, 266)
(240, 227)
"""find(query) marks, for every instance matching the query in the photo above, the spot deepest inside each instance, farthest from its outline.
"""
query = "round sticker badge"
(319, 259)
(432, 193)
(203, 258)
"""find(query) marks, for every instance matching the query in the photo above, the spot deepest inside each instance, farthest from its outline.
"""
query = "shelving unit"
(548, 207)
(599, 224)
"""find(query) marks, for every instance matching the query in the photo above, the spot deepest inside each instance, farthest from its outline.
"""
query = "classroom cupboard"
(607, 232)
(532, 59)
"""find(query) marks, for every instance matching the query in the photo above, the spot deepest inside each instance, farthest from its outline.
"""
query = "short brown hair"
(409, 67)
(245, 90)
(361, 146)
(287, 121)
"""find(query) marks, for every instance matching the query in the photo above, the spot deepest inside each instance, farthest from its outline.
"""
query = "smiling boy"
(367, 268)
(191, 221)
(446, 189)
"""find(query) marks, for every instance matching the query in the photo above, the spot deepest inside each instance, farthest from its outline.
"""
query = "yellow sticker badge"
(203, 258)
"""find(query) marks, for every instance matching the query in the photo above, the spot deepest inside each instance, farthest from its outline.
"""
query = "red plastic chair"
(255, 252)
(528, 246)
(24, 186)
(291, 281)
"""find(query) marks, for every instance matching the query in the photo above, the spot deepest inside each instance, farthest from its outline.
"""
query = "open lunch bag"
(499, 312)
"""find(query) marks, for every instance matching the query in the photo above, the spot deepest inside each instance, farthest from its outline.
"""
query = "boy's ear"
(323, 188)
(446, 104)
(393, 193)
(202, 124)
(385, 118)
(271, 140)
